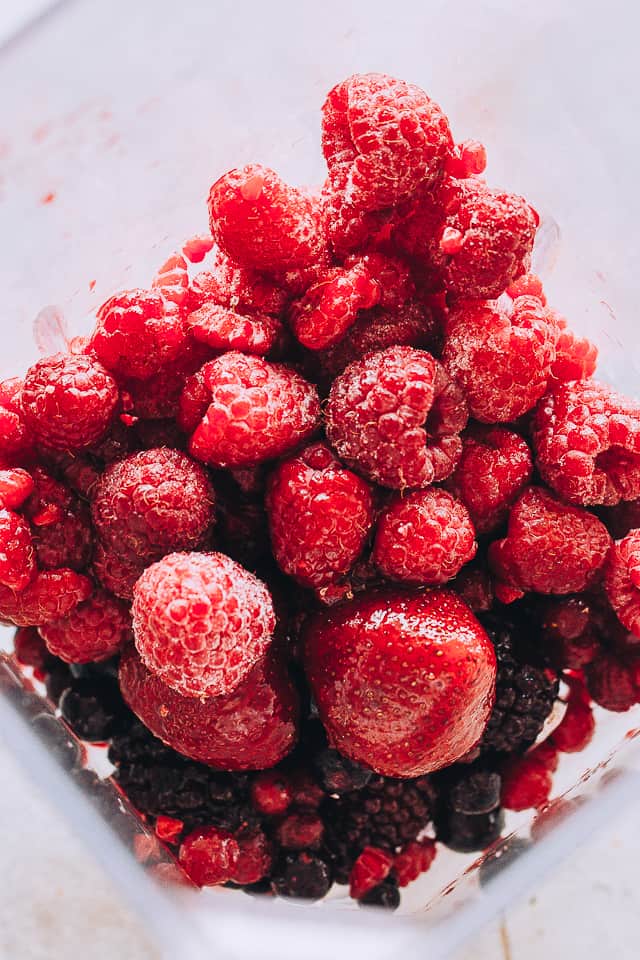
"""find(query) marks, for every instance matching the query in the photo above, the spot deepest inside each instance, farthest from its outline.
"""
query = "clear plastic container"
(115, 120)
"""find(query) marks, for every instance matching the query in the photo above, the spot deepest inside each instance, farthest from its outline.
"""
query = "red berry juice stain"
(48, 198)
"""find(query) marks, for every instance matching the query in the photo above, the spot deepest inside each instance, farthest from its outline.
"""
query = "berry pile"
(326, 527)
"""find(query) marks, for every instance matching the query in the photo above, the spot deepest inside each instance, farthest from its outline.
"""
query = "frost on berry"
(201, 622)
(622, 581)
(413, 860)
(319, 516)
(134, 336)
(349, 226)
(224, 329)
(252, 728)
(395, 416)
(242, 411)
(196, 248)
(236, 287)
(331, 306)
(587, 443)
(550, 547)
(494, 467)
(502, 361)
(16, 442)
(576, 357)
(68, 401)
(60, 524)
(117, 571)
(209, 856)
(95, 630)
(17, 556)
(51, 595)
(172, 283)
(263, 223)
(384, 137)
(425, 537)
(158, 396)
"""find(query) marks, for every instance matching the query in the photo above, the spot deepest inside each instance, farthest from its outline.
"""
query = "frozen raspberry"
(391, 275)
(622, 518)
(570, 631)
(319, 516)
(351, 227)
(622, 581)
(201, 622)
(576, 357)
(236, 287)
(502, 361)
(468, 159)
(550, 547)
(262, 222)
(168, 829)
(134, 337)
(387, 135)
(158, 397)
(271, 793)
(527, 285)
(95, 630)
(300, 831)
(473, 585)
(253, 411)
(152, 502)
(331, 306)
(15, 487)
(209, 856)
(414, 860)
(252, 728)
(256, 856)
(117, 572)
(396, 417)
(29, 648)
(51, 595)
(370, 869)
(223, 329)
(60, 524)
(172, 283)
(17, 556)
(196, 248)
(527, 780)
(587, 442)
(494, 467)
(68, 402)
(611, 682)
(16, 442)
(152, 434)
(576, 729)
(425, 537)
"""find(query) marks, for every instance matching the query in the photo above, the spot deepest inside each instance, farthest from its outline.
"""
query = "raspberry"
(172, 283)
(300, 831)
(168, 829)
(95, 630)
(16, 442)
(414, 860)
(392, 277)
(329, 307)
(134, 337)
(116, 572)
(587, 443)
(68, 401)
(304, 875)
(17, 556)
(209, 856)
(527, 285)
(61, 525)
(196, 248)
(622, 581)
(271, 793)
(385, 135)
(468, 159)
(611, 682)
(51, 595)
(622, 518)
(223, 329)
(576, 357)
(236, 287)
(253, 727)
(29, 648)
(577, 727)
(424, 538)
(151, 434)
(570, 631)
(254, 411)
(349, 227)
(549, 547)
(502, 362)
(158, 396)
(319, 516)
(16, 486)
(395, 416)
(262, 222)
(201, 622)
(370, 869)
(256, 856)
(494, 467)
(152, 502)
(527, 781)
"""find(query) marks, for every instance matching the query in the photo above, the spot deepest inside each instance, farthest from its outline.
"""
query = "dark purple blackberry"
(304, 875)
(468, 833)
(525, 693)
(384, 895)
(94, 708)
(339, 775)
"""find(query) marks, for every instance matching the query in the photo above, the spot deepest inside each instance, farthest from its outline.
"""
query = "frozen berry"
(329, 307)
(236, 287)
(300, 831)
(386, 134)
(527, 780)
(29, 648)
(209, 856)
(252, 411)
(570, 632)
(414, 860)
(95, 630)
(196, 248)
(386, 895)
(502, 361)
(425, 537)
(168, 829)
(201, 622)
(60, 524)
(622, 518)
(252, 728)
(134, 337)
(622, 580)
(51, 595)
(576, 357)
(224, 329)
(468, 159)
(396, 417)
(263, 222)
(468, 833)
(475, 791)
(172, 283)
(371, 868)
(611, 682)
(271, 793)
(340, 775)
(527, 285)
(16, 441)
(68, 402)
(550, 547)
(158, 396)
(15, 487)
(319, 516)
(474, 585)
(575, 730)
(93, 709)
(302, 875)
(17, 556)
(404, 682)
(255, 858)
(587, 443)
(152, 502)
(116, 572)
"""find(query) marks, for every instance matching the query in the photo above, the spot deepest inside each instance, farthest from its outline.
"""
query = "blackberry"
(525, 693)
(303, 875)
(94, 708)
(384, 895)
